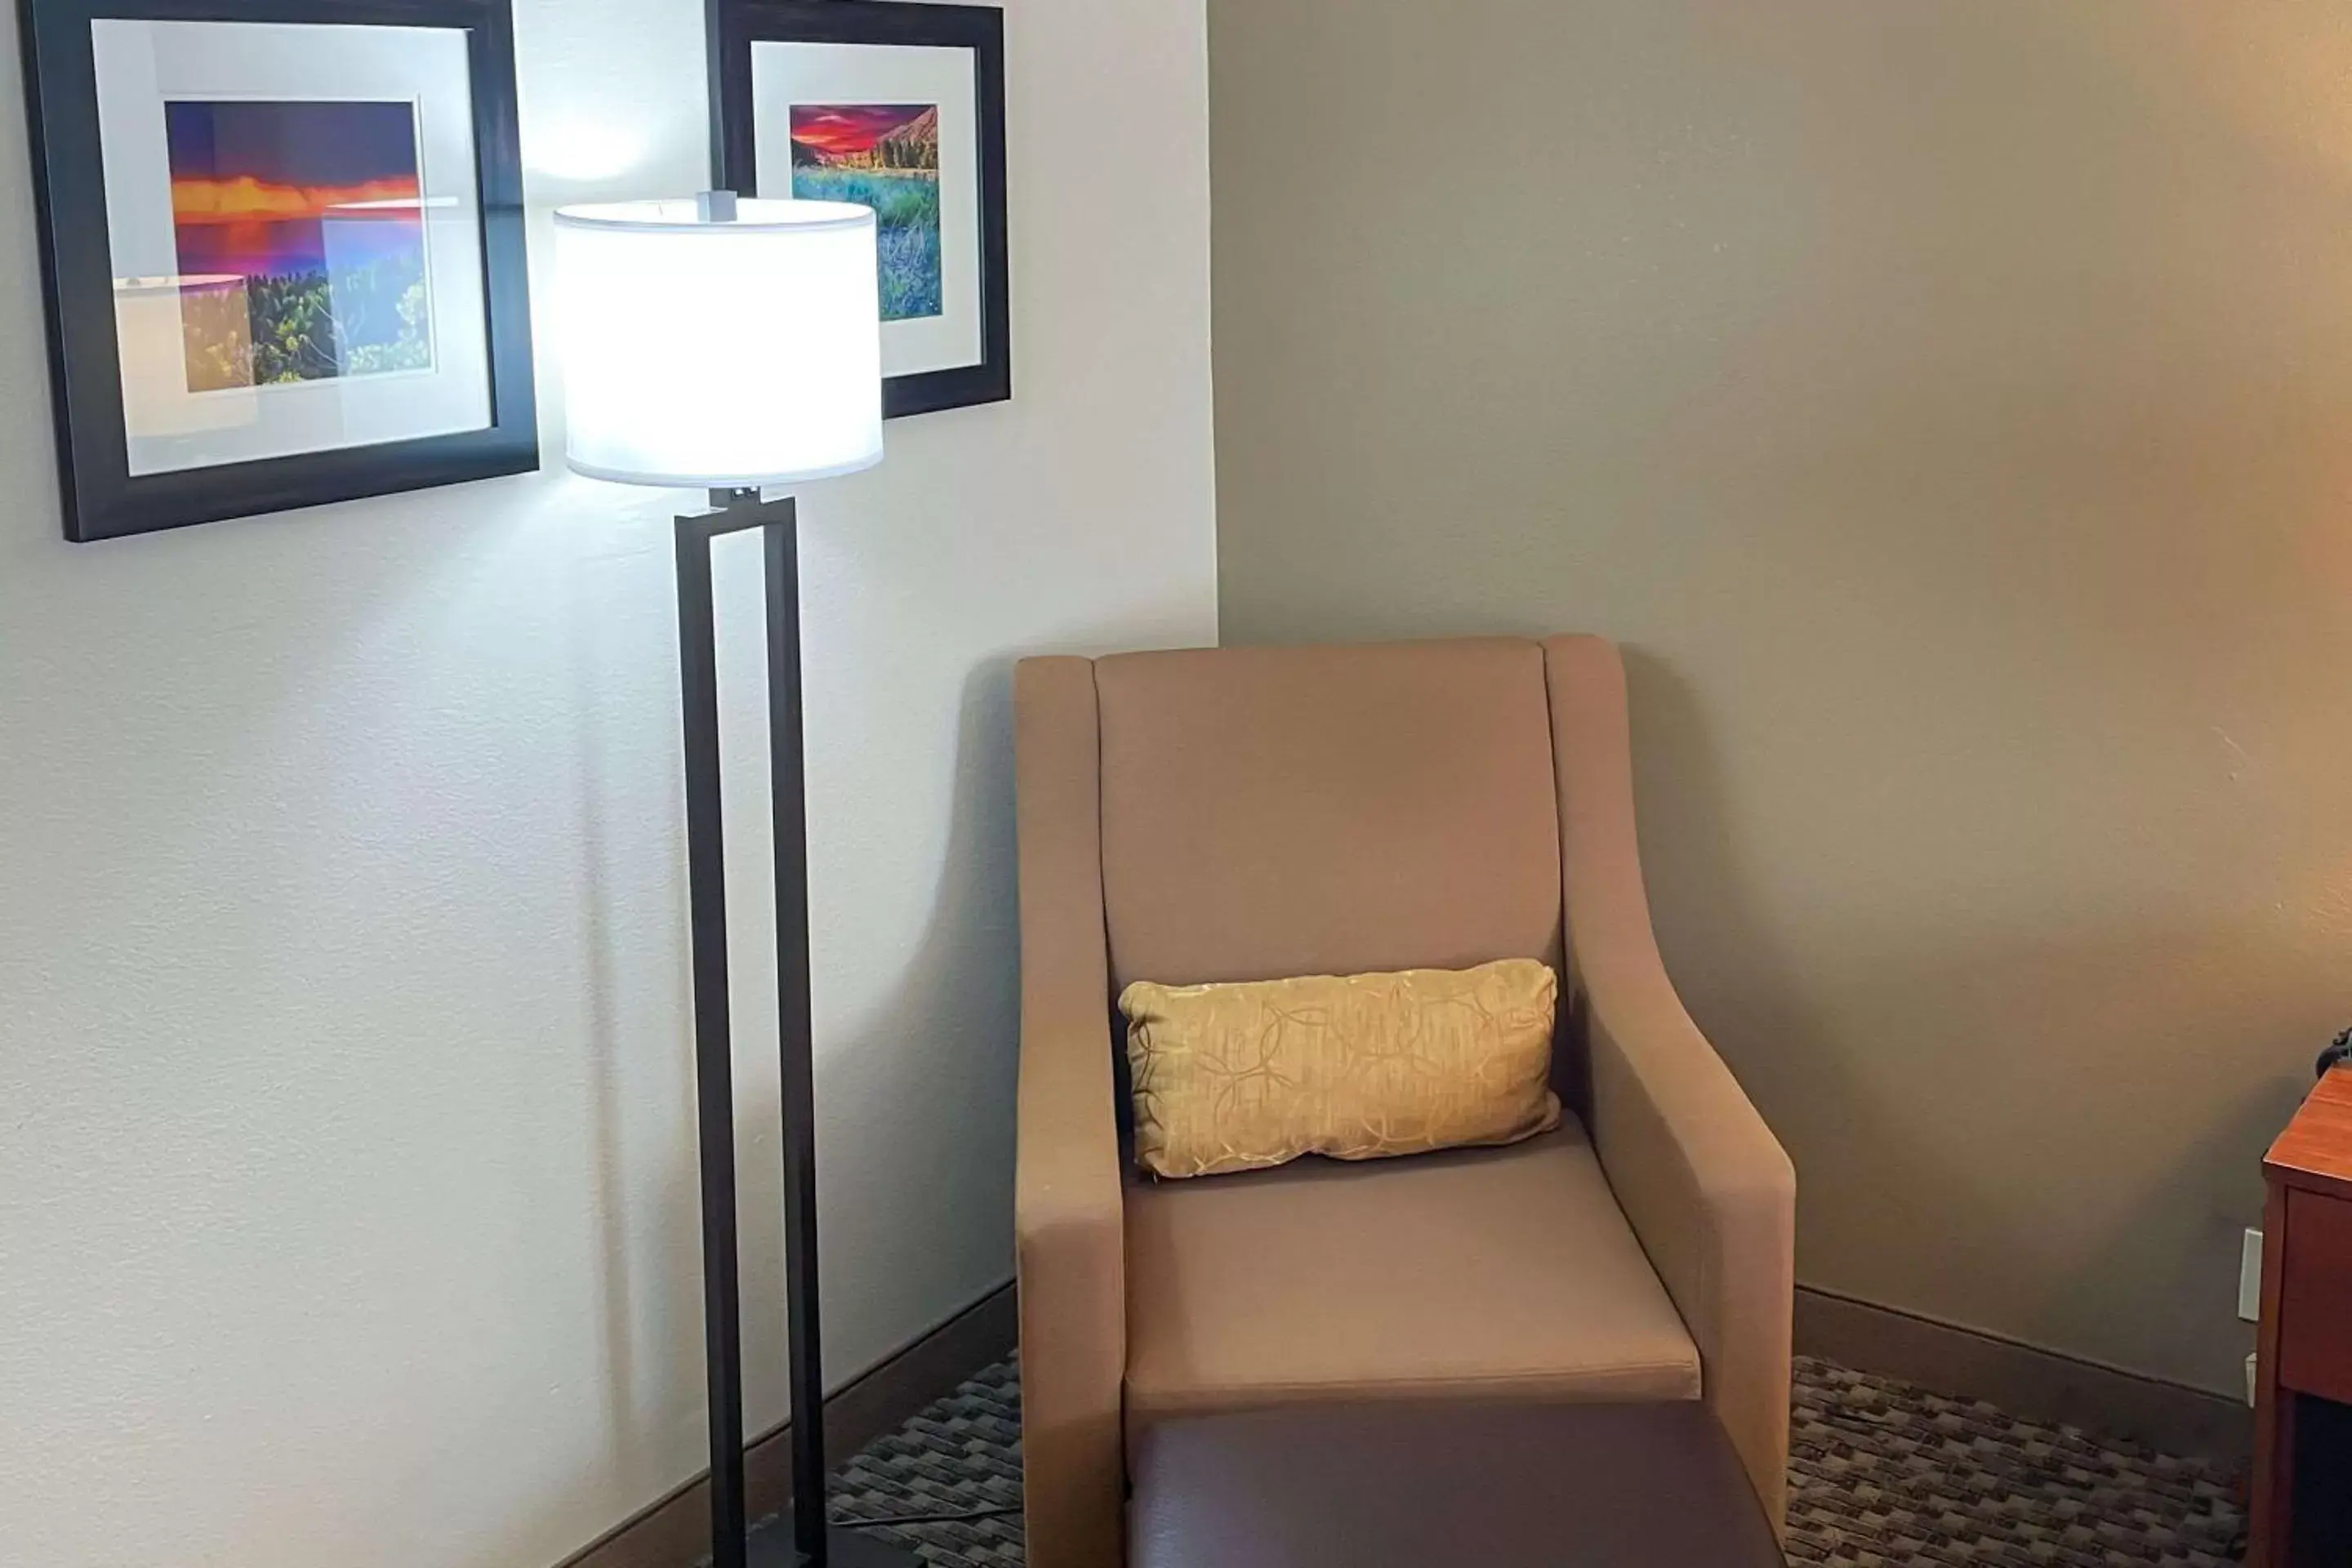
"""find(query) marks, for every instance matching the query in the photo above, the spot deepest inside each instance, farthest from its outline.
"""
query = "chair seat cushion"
(1439, 1482)
(1493, 1273)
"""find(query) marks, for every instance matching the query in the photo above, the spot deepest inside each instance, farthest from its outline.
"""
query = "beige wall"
(1950, 405)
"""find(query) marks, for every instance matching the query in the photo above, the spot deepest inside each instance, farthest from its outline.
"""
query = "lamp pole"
(810, 1542)
(797, 397)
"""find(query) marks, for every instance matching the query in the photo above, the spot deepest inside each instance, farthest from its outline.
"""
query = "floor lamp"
(728, 346)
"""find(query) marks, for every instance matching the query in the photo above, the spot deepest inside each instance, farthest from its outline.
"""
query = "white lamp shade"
(723, 355)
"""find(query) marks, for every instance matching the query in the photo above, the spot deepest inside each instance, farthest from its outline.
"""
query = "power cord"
(2338, 1054)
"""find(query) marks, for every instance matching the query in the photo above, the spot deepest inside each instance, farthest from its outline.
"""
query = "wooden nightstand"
(2302, 1398)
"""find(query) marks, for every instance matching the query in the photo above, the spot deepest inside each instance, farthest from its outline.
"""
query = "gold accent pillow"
(1238, 1076)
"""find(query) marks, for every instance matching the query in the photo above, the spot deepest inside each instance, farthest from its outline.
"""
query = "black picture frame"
(734, 26)
(102, 500)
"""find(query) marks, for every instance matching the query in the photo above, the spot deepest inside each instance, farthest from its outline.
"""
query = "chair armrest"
(1704, 1182)
(1068, 1206)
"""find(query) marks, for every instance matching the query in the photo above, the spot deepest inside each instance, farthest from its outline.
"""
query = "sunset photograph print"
(301, 239)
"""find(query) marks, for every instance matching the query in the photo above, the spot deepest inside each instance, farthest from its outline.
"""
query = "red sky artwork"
(837, 130)
(251, 182)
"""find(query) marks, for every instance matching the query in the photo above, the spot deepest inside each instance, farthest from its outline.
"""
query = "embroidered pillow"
(1364, 1067)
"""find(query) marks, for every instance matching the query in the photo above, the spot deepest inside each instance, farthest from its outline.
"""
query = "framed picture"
(283, 250)
(898, 106)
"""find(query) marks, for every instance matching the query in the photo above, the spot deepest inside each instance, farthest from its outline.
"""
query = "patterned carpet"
(1886, 1476)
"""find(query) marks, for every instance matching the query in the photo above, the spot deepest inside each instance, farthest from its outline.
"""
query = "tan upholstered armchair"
(1253, 813)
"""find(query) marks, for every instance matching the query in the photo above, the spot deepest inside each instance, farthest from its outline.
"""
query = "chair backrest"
(1274, 812)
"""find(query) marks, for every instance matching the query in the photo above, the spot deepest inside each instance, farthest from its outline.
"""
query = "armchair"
(1253, 813)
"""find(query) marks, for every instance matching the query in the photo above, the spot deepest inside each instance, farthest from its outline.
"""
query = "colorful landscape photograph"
(884, 156)
(317, 208)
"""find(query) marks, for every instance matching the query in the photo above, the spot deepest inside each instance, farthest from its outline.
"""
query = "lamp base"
(772, 1547)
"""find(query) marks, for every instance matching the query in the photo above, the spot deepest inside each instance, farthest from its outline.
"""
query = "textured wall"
(1951, 407)
(346, 1137)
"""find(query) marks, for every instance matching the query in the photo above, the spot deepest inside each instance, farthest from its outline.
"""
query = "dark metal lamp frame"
(809, 1541)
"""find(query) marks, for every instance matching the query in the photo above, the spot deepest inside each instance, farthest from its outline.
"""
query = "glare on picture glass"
(315, 210)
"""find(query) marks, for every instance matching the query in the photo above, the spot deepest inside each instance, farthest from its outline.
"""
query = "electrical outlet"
(2249, 1279)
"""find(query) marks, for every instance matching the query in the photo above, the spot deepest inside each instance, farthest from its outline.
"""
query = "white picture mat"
(143, 64)
(784, 74)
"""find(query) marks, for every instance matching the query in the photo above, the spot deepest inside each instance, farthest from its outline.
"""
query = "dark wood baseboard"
(675, 1532)
(2026, 1380)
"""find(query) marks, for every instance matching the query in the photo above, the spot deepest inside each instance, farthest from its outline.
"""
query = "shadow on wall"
(950, 1017)
(1903, 1131)
(946, 1035)
(650, 1405)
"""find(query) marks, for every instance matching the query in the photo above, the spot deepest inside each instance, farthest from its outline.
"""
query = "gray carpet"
(1886, 1477)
